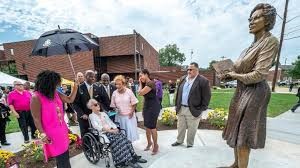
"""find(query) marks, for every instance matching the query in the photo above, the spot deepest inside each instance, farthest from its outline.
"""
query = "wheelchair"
(95, 147)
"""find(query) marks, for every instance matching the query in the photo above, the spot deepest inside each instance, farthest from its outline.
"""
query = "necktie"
(108, 91)
(91, 91)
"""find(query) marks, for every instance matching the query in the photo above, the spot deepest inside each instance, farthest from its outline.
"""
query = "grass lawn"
(165, 101)
(279, 102)
(13, 125)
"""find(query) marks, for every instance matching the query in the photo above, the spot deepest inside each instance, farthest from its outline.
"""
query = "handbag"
(4, 111)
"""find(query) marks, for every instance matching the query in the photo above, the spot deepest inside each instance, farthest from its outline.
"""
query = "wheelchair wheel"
(107, 162)
(91, 148)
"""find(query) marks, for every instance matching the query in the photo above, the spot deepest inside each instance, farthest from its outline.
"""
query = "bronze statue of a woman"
(246, 125)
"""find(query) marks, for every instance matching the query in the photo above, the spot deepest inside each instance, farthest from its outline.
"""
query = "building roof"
(286, 67)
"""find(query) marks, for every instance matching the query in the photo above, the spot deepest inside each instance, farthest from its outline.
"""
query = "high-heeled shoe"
(155, 150)
(148, 147)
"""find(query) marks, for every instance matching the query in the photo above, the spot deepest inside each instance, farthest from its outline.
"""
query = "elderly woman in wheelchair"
(112, 138)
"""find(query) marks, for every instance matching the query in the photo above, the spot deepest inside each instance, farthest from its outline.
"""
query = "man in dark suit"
(107, 89)
(86, 91)
(192, 98)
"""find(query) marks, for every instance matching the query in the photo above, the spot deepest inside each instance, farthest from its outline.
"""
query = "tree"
(9, 68)
(295, 72)
(171, 56)
(210, 67)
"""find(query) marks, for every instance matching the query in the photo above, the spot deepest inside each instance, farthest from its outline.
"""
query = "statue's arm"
(265, 59)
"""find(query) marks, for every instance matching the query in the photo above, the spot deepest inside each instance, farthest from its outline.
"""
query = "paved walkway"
(282, 148)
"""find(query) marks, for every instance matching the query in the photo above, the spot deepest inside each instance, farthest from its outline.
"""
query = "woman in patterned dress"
(122, 150)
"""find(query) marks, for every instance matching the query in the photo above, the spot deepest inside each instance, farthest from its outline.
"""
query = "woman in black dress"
(151, 109)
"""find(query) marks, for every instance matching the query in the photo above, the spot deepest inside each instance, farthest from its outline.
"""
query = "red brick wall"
(117, 45)
(118, 49)
(2, 55)
(124, 45)
(120, 64)
(32, 65)
(151, 60)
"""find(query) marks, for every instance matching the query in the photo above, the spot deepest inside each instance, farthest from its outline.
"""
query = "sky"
(211, 28)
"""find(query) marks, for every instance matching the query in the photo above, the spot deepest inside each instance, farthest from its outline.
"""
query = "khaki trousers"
(187, 121)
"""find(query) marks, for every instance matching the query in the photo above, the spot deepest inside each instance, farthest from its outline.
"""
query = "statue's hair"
(269, 13)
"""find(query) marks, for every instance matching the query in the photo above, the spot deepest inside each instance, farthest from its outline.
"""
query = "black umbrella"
(62, 41)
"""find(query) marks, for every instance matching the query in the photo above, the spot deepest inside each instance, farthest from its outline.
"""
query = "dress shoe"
(5, 144)
(148, 147)
(140, 160)
(176, 144)
(189, 146)
(134, 165)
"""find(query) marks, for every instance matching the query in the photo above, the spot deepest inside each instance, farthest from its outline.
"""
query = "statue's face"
(257, 22)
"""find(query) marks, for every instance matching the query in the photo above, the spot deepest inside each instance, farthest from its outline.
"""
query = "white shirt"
(88, 86)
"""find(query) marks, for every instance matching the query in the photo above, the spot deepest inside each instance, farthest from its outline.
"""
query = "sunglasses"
(96, 105)
(190, 69)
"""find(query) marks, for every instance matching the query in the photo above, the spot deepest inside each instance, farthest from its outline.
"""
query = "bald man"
(87, 90)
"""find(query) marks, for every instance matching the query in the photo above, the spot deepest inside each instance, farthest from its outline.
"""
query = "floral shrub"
(217, 117)
(169, 117)
(5, 157)
(34, 150)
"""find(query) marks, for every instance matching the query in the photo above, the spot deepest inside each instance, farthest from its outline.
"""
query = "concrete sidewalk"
(285, 127)
(209, 151)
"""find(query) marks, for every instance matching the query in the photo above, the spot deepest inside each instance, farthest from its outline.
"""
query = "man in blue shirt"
(192, 98)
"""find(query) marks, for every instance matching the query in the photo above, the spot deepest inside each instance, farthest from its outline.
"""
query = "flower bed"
(217, 117)
(169, 121)
(33, 154)
(7, 159)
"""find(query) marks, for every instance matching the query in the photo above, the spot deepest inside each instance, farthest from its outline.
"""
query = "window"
(12, 52)
(24, 66)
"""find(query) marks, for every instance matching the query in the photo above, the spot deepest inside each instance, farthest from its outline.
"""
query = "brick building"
(115, 55)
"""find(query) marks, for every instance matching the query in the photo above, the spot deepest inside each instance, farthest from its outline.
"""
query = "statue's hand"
(230, 75)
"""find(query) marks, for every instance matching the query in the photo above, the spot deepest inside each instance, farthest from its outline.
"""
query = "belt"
(184, 105)
(19, 111)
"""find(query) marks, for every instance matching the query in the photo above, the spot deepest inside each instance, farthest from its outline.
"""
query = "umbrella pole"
(72, 65)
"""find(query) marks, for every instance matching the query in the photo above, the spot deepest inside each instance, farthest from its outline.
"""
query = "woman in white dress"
(124, 101)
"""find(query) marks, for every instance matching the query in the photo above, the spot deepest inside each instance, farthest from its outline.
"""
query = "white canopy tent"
(8, 80)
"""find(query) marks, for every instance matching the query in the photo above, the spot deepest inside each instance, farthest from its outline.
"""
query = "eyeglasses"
(96, 105)
(190, 69)
(19, 84)
(255, 18)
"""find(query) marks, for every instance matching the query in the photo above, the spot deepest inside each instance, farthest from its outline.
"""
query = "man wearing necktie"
(107, 90)
(87, 90)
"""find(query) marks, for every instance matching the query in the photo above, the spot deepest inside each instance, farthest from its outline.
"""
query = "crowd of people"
(44, 108)
(89, 102)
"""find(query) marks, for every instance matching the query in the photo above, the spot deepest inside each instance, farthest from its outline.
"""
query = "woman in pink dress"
(125, 102)
(47, 111)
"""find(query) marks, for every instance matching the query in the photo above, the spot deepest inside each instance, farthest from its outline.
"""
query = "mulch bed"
(204, 124)
(30, 163)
